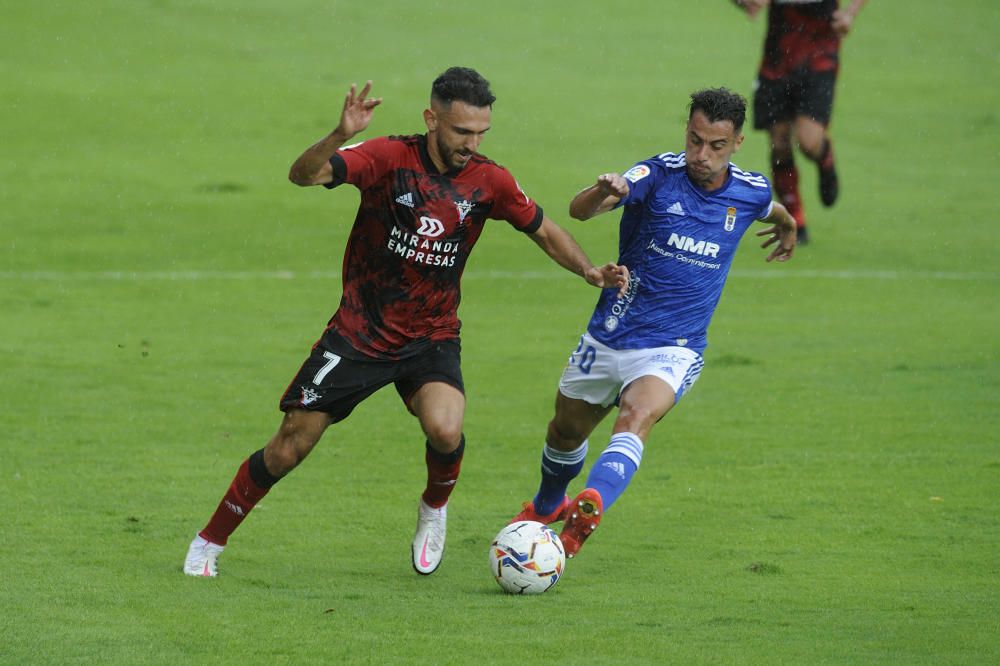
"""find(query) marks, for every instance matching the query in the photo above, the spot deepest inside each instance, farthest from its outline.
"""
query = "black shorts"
(336, 383)
(802, 93)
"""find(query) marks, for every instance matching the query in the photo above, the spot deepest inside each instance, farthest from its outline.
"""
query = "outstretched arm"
(600, 197)
(313, 166)
(564, 250)
(781, 231)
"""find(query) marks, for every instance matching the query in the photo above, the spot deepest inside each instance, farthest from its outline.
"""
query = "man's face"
(709, 146)
(455, 131)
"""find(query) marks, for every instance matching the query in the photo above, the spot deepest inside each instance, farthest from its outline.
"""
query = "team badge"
(610, 324)
(463, 209)
(730, 218)
(636, 173)
(309, 396)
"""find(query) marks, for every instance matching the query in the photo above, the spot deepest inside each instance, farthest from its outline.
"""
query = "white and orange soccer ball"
(527, 558)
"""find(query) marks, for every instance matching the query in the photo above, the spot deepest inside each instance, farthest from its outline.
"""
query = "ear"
(430, 119)
(739, 142)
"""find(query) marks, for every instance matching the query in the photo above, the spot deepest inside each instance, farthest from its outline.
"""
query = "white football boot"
(428, 543)
(202, 558)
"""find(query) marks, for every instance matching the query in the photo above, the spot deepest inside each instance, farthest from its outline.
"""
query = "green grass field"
(828, 493)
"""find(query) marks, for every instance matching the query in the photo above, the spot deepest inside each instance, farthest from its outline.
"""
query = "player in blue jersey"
(683, 217)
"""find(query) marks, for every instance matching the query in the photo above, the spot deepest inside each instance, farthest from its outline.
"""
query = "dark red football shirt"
(413, 233)
(800, 35)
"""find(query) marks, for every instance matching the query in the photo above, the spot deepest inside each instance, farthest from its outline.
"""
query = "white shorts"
(597, 373)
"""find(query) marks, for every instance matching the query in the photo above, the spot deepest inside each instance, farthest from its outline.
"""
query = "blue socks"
(615, 467)
(558, 469)
(610, 475)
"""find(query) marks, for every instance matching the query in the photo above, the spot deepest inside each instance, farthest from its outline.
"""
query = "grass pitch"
(827, 493)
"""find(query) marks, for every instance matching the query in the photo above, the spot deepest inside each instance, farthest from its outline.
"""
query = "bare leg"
(815, 143)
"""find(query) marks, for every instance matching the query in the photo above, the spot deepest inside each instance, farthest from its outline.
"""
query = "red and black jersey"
(800, 36)
(411, 238)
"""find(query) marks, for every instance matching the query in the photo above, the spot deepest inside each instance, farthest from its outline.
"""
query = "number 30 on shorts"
(583, 357)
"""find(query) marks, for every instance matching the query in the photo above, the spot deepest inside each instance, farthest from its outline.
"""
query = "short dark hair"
(720, 104)
(462, 84)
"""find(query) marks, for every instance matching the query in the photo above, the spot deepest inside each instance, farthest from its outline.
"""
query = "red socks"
(786, 185)
(442, 473)
(244, 492)
(242, 496)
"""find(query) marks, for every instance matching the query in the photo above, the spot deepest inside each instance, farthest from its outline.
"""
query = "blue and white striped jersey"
(678, 242)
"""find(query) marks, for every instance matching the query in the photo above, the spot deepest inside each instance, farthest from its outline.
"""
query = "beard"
(701, 174)
(453, 159)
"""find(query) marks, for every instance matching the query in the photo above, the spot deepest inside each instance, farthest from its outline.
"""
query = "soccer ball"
(527, 558)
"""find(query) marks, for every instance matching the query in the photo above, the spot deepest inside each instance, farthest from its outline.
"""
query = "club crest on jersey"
(463, 209)
(636, 173)
(730, 219)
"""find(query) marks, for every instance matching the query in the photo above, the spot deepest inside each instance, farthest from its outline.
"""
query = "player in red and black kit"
(794, 91)
(424, 202)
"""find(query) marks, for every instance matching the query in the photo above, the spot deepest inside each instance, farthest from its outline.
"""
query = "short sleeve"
(768, 207)
(361, 164)
(512, 204)
(766, 202)
(641, 179)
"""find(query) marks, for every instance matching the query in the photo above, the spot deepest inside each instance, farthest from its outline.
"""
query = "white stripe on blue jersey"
(754, 179)
(673, 159)
(678, 242)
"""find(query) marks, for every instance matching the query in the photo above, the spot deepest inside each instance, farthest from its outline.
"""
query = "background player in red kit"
(793, 99)
(424, 202)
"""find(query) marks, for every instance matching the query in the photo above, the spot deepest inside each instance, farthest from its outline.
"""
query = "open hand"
(785, 236)
(609, 275)
(842, 22)
(357, 112)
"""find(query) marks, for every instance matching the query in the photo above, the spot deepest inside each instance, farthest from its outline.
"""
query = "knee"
(811, 147)
(781, 144)
(289, 446)
(444, 436)
(810, 140)
(564, 437)
(781, 153)
(637, 419)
